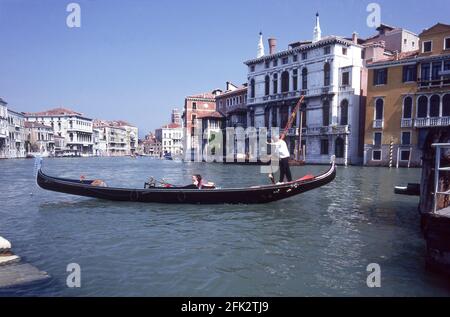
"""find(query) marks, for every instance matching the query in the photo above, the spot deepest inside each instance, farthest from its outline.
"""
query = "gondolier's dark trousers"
(285, 170)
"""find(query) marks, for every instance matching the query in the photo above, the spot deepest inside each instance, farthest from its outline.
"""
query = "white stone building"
(3, 129)
(171, 138)
(328, 72)
(17, 135)
(113, 139)
(73, 126)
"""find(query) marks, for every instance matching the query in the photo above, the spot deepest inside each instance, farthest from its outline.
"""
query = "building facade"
(232, 103)
(151, 146)
(17, 135)
(113, 139)
(176, 117)
(76, 129)
(408, 94)
(328, 72)
(40, 139)
(196, 106)
(395, 39)
(171, 138)
(4, 133)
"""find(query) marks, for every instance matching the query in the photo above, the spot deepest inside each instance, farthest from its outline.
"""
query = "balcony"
(433, 83)
(339, 129)
(407, 123)
(314, 92)
(378, 124)
(432, 122)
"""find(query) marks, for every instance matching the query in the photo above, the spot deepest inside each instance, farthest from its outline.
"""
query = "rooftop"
(29, 124)
(54, 112)
(215, 114)
(171, 126)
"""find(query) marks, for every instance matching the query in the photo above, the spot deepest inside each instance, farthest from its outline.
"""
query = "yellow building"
(407, 94)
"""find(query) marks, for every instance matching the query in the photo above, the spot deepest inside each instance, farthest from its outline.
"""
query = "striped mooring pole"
(391, 152)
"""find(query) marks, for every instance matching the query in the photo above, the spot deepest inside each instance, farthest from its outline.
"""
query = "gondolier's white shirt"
(282, 149)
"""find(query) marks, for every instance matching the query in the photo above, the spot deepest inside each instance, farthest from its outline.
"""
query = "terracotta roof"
(122, 123)
(29, 124)
(107, 123)
(54, 112)
(403, 56)
(215, 114)
(171, 126)
(206, 95)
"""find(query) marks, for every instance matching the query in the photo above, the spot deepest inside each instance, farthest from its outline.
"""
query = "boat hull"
(251, 195)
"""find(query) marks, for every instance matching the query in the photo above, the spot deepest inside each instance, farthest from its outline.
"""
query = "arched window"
(252, 88)
(407, 108)
(339, 148)
(344, 112)
(305, 78)
(326, 74)
(446, 106)
(435, 100)
(275, 83)
(379, 108)
(285, 81)
(422, 107)
(326, 114)
(267, 85)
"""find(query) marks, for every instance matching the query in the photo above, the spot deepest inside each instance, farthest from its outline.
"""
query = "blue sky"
(136, 59)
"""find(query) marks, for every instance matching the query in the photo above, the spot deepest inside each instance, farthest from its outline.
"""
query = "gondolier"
(282, 151)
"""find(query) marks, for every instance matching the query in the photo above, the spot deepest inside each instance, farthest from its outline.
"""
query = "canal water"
(318, 243)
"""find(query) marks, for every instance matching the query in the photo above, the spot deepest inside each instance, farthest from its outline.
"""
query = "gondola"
(178, 195)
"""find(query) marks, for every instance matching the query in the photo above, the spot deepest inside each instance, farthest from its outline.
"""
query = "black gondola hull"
(251, 195)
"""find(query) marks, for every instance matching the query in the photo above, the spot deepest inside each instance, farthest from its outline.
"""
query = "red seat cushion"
(307, 178)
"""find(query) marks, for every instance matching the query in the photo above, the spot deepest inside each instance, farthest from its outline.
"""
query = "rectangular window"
(345, 78)
(267, 64)
(427, 46)
(425, 74)
(447, 70)
(252, 68)
(376, 155)
(406, 138)
(435, 72)
(295, 58)
(304, 55)
(285, 60)
(275, 63)
(447, 43)
(326, 50)
(380, 76)
(377, 139)
(344, 51)
(409, 73)
(194, 106)
(404, 155)
(324, 147)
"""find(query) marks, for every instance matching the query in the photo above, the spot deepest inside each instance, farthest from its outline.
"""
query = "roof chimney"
(355, 38)
(272, 45)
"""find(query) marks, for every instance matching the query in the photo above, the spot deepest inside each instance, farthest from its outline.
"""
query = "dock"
(14, 272)
(434, 205)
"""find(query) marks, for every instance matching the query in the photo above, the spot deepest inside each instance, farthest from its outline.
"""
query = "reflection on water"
(318, 243)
